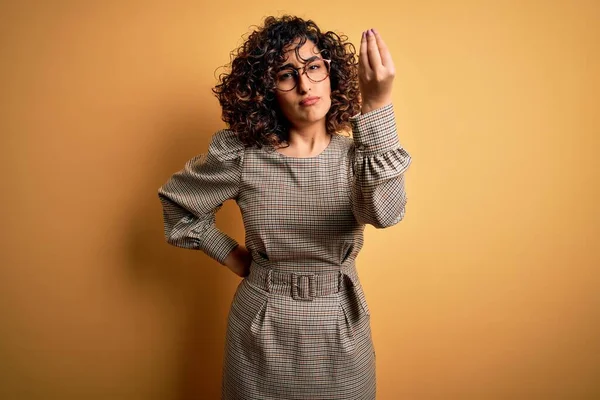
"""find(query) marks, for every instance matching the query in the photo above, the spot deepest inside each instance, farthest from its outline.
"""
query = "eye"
(285, 75)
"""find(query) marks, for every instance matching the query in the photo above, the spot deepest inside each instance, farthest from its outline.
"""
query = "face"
(308, 103)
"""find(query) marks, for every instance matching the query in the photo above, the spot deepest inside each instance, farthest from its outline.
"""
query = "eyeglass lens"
(316, 70)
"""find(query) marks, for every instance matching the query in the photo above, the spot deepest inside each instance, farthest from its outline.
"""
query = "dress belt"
(301, 286)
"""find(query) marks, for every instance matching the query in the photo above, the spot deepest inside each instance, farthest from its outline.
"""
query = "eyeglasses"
(316, 70)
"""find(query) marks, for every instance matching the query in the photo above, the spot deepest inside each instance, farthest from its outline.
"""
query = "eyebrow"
(290, 65)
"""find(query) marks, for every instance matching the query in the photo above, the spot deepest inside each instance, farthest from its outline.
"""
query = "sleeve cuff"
(220, 245)
(375, 131)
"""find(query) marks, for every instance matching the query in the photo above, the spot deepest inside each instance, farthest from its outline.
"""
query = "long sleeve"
(378, 193)
(192, 196)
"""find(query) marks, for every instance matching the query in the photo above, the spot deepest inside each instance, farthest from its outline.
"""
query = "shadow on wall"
(193, 284)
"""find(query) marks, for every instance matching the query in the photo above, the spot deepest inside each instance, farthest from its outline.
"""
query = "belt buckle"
(304, 286)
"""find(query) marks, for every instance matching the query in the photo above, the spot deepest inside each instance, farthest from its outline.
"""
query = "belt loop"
(312, 286)
(269, 280)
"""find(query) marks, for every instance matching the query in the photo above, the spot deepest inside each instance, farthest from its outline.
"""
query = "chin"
(316, 115)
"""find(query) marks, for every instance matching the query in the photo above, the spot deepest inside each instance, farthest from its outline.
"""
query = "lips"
(309, 101)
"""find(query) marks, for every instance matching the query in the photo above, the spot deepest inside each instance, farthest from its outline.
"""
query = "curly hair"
(247, 92)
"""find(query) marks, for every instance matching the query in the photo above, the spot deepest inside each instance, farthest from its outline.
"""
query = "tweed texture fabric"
(299, 324)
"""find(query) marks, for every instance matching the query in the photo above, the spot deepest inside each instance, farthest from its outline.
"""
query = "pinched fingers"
(375, 72)
(375, 56)
(373, 50)
(364, 56)
(384, 52)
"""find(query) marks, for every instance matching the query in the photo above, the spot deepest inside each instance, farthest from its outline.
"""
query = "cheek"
(327, 88)
(327, 92)
(328, 107)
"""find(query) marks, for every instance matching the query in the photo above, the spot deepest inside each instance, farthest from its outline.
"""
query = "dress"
(299, 325)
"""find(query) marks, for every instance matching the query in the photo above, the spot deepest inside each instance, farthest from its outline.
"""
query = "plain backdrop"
(488, 289)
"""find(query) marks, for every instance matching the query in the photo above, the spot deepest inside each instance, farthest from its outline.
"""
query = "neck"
(307, 141)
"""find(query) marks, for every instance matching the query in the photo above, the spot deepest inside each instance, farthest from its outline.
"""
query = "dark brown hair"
(247, 92)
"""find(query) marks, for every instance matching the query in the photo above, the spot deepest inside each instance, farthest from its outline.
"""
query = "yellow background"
(489, 289)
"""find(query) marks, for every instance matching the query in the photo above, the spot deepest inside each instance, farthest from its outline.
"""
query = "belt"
(301, 286)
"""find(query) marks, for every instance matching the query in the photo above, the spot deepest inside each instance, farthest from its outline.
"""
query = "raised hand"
(376, 72)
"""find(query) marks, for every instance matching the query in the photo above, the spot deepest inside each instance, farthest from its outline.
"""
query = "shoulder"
(226, 145)
(344, 139)
(345, 143)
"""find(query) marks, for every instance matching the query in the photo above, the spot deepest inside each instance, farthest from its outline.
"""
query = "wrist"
(369, 106)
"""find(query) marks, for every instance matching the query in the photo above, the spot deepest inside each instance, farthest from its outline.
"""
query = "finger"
(386, 56)
(364, 58)
(373, 50)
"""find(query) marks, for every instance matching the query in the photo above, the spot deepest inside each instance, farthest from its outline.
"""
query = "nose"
(303, 82)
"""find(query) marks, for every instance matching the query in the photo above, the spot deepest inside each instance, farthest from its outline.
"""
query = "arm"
(378, 195)
(192, 196)
(378, 187)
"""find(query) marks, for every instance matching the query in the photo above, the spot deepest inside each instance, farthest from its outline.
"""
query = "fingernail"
(374, 31)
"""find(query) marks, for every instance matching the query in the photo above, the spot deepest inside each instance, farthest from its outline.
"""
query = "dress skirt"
(312, 341)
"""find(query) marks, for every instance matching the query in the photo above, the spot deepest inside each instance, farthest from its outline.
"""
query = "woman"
(299, 324)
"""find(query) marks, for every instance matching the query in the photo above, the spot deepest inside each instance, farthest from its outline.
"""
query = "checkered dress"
(299, 324)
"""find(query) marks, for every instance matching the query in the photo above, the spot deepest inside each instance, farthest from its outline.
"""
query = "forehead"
(306, 51)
